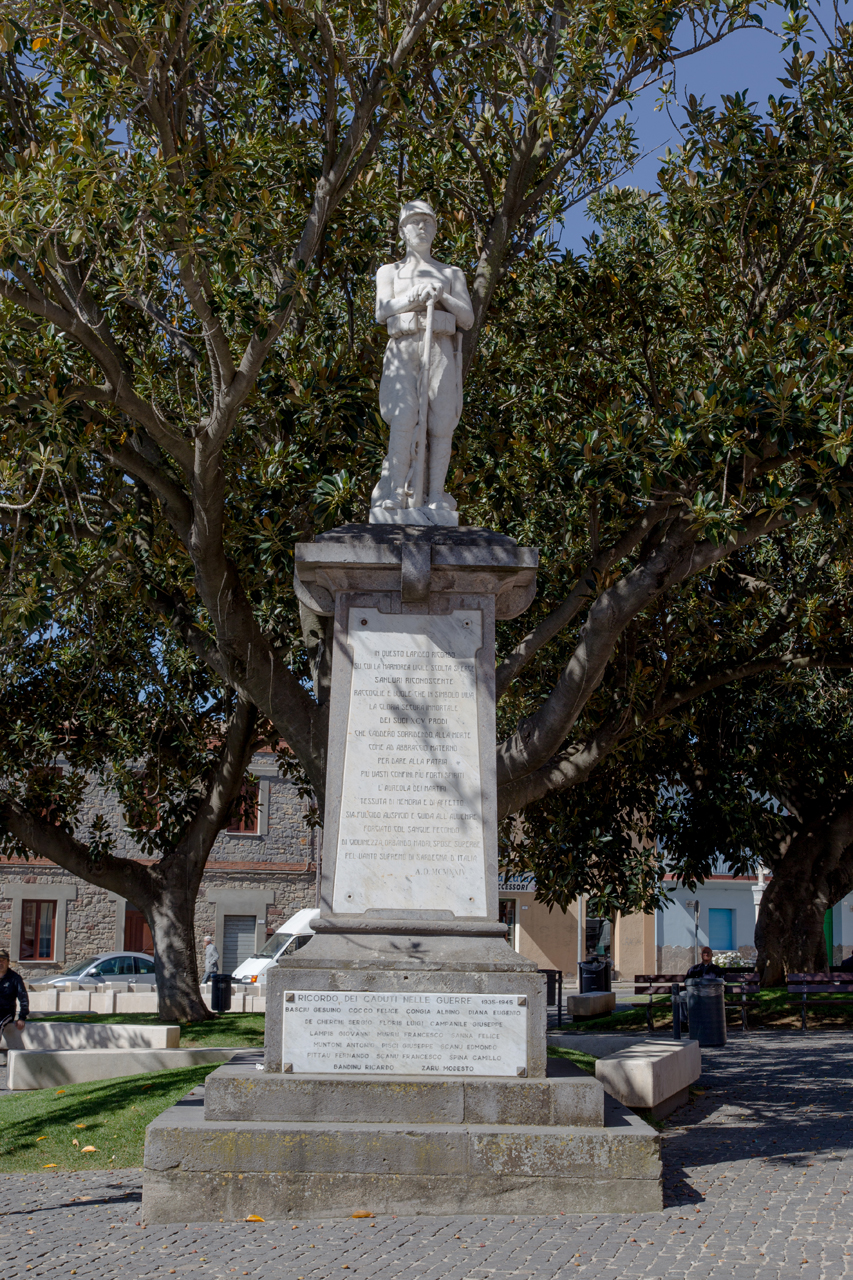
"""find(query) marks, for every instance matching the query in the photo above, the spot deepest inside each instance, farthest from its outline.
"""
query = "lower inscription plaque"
(413, 1034)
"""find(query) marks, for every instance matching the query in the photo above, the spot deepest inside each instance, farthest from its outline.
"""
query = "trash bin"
(706, 1010)
(594, 975)
(220, 992)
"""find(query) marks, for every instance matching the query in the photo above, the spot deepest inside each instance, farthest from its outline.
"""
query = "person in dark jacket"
(12, 991)
(707, 968)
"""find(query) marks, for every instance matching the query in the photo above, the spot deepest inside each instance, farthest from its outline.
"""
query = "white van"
(292, 935)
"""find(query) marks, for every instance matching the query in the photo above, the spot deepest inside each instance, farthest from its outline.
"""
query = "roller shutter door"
(238, 941)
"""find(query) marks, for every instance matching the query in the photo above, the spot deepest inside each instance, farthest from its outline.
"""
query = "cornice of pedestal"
(423, 564)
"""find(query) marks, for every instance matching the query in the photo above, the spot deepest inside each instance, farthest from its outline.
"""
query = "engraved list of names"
(411, 1033)
(411, 827)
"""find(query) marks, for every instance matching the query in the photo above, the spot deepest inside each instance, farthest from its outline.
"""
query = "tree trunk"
(171, 918)
(789, 930)
(814, 872)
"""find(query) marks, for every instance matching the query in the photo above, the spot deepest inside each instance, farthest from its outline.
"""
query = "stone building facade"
(254, 881)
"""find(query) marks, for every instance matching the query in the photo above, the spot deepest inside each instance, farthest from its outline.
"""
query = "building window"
(38, 926)
(247, 810)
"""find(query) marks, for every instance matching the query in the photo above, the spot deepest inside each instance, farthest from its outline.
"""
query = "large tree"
(194, 201)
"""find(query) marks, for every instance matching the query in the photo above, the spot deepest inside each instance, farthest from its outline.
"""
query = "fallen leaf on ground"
(362, 1213)
(48, 1166)
(43, 1138)
(253, 1217)
(90, 1148)
(74, 1142)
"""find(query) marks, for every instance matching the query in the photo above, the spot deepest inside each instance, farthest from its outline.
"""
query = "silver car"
(109, 966)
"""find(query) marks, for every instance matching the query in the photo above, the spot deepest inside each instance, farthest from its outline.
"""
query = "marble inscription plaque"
(392, 1032)
(411, 822)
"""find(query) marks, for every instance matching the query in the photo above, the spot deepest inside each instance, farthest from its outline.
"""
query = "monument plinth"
(405, 1066)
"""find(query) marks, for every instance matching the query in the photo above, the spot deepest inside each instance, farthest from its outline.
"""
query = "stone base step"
(240, 1093)
(201, 1170)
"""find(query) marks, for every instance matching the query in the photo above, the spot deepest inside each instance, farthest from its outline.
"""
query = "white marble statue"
(424, 304)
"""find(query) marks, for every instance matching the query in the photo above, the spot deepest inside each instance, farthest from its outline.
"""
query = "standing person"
(12, 990)
(403, 291)
(707, 966)
(211, 958)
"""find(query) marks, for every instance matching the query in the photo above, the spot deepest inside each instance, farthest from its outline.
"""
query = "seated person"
(707, 968)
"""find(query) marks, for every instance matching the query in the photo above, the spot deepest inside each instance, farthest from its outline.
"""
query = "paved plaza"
(756, 1171)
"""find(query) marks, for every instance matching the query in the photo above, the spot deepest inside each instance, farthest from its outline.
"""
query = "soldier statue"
(424, 304)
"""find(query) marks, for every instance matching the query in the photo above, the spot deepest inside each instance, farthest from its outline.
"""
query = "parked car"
(292, 935)
(109, 966)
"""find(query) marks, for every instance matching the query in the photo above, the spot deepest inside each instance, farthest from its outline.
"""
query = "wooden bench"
(804, 986)
(743, 986)
(655, 984)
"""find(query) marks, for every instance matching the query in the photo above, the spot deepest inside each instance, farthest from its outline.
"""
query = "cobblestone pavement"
(757, 1173)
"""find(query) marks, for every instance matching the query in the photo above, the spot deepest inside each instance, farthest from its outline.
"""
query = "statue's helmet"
(414, 207)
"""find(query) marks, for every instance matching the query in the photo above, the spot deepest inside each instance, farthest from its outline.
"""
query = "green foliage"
(101, 698)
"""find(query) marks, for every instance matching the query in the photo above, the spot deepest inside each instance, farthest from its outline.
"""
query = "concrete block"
(74, 1001)
(116, 986)
(102, 1002)
(656, 1075)
(46, 1001)
(37, 1069)
(258, 1003)
(92, 1035)
(592, 1004)
(136, 1002)
(227, 1170)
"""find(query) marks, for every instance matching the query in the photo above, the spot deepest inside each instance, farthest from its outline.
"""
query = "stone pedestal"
(405, 1052)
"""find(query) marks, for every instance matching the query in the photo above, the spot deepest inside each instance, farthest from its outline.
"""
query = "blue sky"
(750, 61)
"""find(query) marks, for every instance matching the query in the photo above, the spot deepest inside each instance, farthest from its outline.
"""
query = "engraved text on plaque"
(417, 1033)
(411, 821)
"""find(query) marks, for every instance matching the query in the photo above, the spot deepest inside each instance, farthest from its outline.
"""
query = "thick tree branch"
(586, 587)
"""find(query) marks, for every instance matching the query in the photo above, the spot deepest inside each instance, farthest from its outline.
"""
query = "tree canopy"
(194, 202)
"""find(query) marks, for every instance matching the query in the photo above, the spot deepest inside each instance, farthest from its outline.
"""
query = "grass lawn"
(226, 1031)
(40, 1126)
(773, 1009)
(585, 1061)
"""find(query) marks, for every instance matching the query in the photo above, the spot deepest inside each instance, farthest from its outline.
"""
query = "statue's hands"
(421, 294)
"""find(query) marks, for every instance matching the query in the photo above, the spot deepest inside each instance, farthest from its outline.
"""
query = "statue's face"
(418, 232)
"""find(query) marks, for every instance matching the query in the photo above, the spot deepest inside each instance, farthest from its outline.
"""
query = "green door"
(827, 933)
